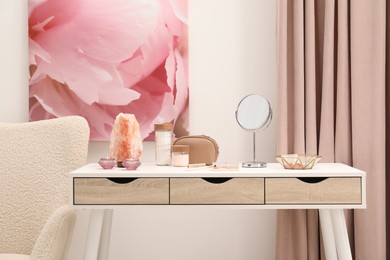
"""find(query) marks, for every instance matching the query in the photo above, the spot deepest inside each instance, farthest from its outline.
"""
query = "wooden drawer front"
(102, 191)
(229, 191)
(327, 191)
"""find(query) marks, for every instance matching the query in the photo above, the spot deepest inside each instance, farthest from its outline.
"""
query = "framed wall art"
(97, 59)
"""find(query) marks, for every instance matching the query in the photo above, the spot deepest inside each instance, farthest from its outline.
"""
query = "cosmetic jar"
(180, 155)
(163, 133)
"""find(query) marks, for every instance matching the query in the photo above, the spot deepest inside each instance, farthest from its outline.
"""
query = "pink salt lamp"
(126, 139)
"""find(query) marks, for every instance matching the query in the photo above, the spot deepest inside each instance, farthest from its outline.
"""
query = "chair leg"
(327, 234)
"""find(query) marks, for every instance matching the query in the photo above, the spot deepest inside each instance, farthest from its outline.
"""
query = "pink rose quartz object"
(126, 141)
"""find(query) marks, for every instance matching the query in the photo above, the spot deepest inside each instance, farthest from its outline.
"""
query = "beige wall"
(232, 54)
(13, 61)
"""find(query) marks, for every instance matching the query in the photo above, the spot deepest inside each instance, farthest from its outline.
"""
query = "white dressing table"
(329, 187)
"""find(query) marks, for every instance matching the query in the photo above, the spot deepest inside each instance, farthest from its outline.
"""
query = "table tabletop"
(272, 170)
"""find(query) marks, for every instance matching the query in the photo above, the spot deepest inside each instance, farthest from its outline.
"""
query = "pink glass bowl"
(298, 161)
(131, 164)
(107, 163)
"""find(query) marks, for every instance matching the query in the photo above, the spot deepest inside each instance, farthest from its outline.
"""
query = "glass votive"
(180, 155)
(131, 163)
(107, 163)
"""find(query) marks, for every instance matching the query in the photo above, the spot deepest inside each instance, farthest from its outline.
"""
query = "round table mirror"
(253, 114)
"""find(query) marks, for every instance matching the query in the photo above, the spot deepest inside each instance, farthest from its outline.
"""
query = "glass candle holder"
(180, 155)
(107, 163)
(131, 163)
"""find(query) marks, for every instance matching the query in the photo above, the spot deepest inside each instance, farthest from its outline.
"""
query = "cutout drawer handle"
(312, 179)
(122, 180)
(216, 180)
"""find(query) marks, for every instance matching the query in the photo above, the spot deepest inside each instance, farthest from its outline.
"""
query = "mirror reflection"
(253, 114)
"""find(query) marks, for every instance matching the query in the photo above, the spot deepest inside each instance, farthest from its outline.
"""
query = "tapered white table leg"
(105, 235)
(327, 234)
(93, 235)
(341, 234)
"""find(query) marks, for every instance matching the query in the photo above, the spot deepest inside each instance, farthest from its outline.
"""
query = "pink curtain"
(332, 101)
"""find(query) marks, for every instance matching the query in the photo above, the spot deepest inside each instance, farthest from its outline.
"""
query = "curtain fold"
(368, 52)
(331, 62)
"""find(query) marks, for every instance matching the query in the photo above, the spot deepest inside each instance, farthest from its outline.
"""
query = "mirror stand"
(253, 114)
(254, 163)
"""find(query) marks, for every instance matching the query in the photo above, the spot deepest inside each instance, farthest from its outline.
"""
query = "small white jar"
(180, 155)
(163, 133)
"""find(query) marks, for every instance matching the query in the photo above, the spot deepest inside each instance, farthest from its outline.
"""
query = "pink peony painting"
(100, 58)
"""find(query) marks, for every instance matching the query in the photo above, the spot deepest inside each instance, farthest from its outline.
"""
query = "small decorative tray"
(298, 161)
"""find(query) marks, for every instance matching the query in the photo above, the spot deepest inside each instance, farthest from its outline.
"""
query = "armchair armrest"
(53, 241)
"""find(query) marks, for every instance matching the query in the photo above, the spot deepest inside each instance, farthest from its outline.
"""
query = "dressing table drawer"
(331, 190)
(120, 191)
(217, 191)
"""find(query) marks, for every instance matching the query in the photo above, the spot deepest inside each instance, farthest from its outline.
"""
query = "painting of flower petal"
(100, 58)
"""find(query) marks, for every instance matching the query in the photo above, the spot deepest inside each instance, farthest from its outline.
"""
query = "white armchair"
(35, 159)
